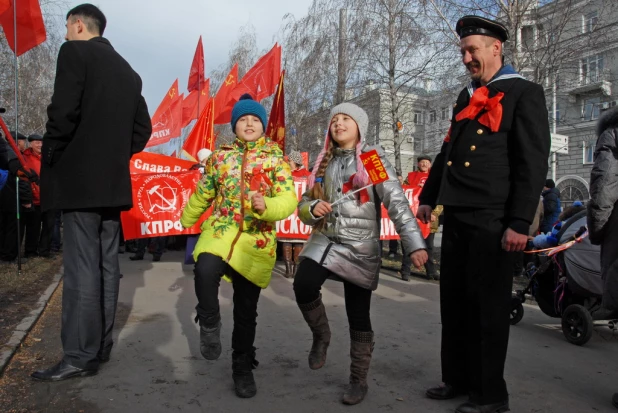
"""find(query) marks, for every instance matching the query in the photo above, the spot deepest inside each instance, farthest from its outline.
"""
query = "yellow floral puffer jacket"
(234, 231)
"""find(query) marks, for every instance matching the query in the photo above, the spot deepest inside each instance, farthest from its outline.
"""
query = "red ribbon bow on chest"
(259, 179)
(481, 101)
(348, 186)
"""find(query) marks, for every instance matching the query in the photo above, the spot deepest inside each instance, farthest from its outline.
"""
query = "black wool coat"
(503, 170)
(97, 120)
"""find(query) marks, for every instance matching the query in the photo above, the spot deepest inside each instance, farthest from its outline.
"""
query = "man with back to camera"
(488, 176)
(97, 120)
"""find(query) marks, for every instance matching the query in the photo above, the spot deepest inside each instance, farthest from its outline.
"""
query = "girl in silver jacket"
(344, 243)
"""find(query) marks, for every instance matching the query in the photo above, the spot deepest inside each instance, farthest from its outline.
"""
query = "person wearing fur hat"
(344, 242)
(250, 187)
(293, 247)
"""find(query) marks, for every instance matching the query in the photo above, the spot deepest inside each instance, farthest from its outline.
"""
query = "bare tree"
(36, 71)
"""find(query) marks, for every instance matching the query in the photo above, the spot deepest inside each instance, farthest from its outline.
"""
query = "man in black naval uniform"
(488, 176)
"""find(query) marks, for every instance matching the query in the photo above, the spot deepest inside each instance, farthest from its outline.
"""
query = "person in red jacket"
(37, 227)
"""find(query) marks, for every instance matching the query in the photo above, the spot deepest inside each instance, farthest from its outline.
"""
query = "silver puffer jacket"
(349, 243)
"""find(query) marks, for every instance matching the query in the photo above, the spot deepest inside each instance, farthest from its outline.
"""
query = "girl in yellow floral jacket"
(250, 187)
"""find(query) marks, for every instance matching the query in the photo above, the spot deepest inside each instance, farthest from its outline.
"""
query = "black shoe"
(61, 371)
(405, 277)
(434, 276)
(469, 407)
(156, 258)
(445, 392)
(242, 366)
(615, 400)
(136, 257)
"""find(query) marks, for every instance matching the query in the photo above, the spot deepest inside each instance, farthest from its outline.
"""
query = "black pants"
(91, 281)
(208, 272)
(56, 240)
(475, 301)
(430, 267)
(307, 285)
(143, 243)
(30, 227)
(8, 236)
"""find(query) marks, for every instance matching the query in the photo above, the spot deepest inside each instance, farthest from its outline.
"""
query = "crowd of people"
(485, 181)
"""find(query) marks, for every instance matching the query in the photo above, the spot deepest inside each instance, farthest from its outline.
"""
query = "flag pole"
(16, 134)
(15, 62)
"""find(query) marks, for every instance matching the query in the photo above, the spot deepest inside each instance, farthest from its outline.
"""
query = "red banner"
(146, 162)
(388, 230)
(158, 202)
(293, 228)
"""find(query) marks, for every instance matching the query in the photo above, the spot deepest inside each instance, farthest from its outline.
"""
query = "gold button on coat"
(467, 164)
(455, 105)
(449, 163)
(479, 132)
(473, 148)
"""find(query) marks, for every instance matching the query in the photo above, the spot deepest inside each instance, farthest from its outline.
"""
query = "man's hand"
(258, 203)
(513, 241)
(419, 258)
(321, 208)
(424, 213)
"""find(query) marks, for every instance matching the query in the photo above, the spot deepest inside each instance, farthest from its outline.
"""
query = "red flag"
(221, 100)
(196, 74)
(193, 101)
(30, 26)
(203, 133)
(260, 81)
(167, 119)
(276, 122)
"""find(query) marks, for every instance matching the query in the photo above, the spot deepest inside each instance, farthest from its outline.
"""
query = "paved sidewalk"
(156, 365)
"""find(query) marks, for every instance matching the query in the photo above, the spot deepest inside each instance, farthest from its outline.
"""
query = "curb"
(26, 324)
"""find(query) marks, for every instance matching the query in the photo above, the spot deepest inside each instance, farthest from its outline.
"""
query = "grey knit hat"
(296, 157)
(356, 113)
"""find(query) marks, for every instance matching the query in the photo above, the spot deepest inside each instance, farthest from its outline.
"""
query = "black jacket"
(8, 161)
(504, 170)
(97, 120)
(603, 204)
(551, 209)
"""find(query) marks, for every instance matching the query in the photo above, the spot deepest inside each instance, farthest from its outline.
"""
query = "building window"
(418, 118)
(589, 151)
(527, 37)
(591, 70)
(590, 21)
(591, 109)
(445, 113)
(432, 116)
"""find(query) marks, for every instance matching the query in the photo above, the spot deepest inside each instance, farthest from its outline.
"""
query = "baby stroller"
(566, 283)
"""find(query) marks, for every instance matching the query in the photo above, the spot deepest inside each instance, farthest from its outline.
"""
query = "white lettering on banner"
(160, 227)
(160, 134)
(388, 228)
(144, 228)
(143, 166)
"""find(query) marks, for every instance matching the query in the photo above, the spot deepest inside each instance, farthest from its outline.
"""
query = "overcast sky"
(158, 37)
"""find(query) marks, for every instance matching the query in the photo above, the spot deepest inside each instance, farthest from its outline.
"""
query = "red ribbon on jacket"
(348, 186)
(481, 101)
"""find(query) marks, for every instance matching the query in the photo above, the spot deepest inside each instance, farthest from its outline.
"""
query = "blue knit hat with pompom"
(247, 106)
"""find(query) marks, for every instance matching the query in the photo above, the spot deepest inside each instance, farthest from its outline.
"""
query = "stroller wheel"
(577, 324)
(517, 310)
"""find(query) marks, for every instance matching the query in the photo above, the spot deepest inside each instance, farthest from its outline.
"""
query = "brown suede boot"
(297, 250)
(315, 315)
(287, 258)
(361, 347)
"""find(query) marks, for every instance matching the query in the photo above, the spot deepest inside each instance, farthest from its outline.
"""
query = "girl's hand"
(321, 208)
(419, 258)
(258, 203)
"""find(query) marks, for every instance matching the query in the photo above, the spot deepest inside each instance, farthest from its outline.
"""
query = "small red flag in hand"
(348, 186)
(375, 169)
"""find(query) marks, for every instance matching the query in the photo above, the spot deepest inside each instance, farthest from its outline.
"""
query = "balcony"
(599, 81)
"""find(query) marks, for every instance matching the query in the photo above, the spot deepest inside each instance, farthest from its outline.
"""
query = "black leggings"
(307, 285)
(208, 272)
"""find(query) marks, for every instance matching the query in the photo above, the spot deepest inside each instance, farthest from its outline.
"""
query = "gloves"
(15, 168)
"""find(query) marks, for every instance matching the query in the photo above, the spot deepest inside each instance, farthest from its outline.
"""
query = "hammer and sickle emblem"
(229, 80)
(172, 92)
